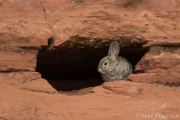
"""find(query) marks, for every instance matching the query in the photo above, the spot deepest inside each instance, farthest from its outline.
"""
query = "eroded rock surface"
(113, 100)
(26, 26)
(159, 65)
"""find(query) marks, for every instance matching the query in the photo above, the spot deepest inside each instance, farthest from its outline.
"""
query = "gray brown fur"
(117, 68)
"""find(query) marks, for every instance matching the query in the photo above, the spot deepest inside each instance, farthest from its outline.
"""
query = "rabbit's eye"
(105, 63)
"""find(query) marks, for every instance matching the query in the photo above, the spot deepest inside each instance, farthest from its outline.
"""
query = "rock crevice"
(148, 34)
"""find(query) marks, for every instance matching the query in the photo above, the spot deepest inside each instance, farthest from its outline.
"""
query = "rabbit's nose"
(100, 70)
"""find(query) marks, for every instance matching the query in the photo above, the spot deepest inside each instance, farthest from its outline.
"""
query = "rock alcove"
(73, 64)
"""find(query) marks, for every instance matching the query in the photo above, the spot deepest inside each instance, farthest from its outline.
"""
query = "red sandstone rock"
(125, 100)
(17, 58)
(159, 65)
(26, 25)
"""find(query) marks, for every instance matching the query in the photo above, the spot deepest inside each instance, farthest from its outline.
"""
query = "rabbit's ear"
(114, 49)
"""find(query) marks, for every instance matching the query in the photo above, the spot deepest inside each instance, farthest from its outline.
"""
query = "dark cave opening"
(72, 67)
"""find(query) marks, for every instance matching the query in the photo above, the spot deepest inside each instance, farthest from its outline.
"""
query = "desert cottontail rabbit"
(114, 67)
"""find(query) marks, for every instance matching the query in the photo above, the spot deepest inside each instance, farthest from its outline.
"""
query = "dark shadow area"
(71, 67)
